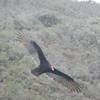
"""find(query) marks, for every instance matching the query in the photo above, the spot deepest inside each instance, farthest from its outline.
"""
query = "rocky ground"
(69, 34)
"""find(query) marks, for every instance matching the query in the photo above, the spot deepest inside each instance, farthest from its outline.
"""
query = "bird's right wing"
(66, 80)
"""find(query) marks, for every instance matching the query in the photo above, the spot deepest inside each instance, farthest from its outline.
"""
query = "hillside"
(68, 33)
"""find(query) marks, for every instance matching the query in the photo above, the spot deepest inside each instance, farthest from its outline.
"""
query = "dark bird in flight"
(46, 67)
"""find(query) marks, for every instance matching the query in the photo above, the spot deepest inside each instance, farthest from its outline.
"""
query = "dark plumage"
(46, 67)
(57, 75)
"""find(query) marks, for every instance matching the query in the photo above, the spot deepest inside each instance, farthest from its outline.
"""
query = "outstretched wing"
(65, 80)
(26, 42)
(31, 45)
(39, 51)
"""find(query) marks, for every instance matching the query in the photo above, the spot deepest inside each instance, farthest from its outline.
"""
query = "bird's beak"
(52, 68)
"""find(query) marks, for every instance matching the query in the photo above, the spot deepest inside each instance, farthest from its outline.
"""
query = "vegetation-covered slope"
(69, 34)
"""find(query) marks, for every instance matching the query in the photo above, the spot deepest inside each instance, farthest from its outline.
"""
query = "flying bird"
(46, 67)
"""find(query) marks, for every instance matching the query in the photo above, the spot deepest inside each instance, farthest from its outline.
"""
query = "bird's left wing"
(26, 42)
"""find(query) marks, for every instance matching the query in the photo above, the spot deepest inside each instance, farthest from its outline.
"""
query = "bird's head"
(52, 67)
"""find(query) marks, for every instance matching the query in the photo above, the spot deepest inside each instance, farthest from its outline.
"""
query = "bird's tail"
(36, 71)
